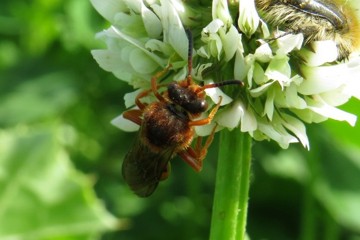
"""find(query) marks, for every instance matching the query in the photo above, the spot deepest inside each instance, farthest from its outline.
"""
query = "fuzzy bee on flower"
(317, 20)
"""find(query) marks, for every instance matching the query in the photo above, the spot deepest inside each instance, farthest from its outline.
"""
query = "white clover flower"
(286, 85)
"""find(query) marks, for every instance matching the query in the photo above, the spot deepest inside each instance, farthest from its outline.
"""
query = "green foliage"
(42, 196)
(317, 191)
(60, 159)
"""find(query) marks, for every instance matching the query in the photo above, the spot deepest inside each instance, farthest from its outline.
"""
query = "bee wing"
(142, 168)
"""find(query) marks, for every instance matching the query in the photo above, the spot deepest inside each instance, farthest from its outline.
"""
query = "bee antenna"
(223, 83)
(220, 84)
(190, 50)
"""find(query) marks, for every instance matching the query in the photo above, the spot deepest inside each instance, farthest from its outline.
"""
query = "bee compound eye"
(196, 106)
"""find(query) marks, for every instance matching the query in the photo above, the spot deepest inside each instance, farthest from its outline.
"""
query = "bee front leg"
(155, 86)
(154, 89)
(195, 156)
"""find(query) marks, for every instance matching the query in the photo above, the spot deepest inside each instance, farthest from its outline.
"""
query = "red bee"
(166, 129)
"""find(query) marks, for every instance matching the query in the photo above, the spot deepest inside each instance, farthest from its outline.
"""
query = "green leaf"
(42, 196)
(37, 98)
(338, 184)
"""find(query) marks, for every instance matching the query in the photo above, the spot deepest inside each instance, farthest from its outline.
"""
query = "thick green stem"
(232, 187)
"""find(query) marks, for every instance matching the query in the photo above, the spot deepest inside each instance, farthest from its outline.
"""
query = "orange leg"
(166, 173)
(154, 85)
(209, 118)
(195, 156)
(133, 115)
(154, 89)
(142, 94)
(140, 104)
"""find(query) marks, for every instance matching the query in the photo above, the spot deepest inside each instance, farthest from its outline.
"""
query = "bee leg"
(133, 115)
(140, 104)
(154, 86)
(195, 156)
(166, 173)
(154, 89)
(202, 150)
(190, 157)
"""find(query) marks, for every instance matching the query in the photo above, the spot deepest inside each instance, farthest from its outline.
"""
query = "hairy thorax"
(166, 126)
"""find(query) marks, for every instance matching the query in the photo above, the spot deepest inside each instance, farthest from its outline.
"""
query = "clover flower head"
(286, 84)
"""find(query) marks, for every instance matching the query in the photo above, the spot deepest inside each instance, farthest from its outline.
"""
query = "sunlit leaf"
(42, 196)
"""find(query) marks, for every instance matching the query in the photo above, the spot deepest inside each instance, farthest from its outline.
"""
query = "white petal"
(269, 104)
(320, 107)
(308, 115)
(279, 70)
(108, 9)
(289, 98)
(321, 52)
(259, 74)
(240, 69)
(249, 19)
(174, 32)
(263, 53)
(231, 42)
(264, 29)
(248, 121)
(288, 43)
(203, 52)
(336, 97)
(155, 45)
(220, 11)
(129, 98)
(115, 33)
(327, 78)
(276, 132)
(212, 27)
(256, 92)
(111, 61)
(230, 117)
(321, 79)
(250, 66)
(215, 93)
(134, 5)
(199, 70)
(124, 124)
(353, 86)
(297, 127)
(141, 63)
(151, 22)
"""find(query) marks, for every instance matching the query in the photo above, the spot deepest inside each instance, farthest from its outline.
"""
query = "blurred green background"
(60, 159)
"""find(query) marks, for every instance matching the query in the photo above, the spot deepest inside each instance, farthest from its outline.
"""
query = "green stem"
(232, 187)
(309, 221)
